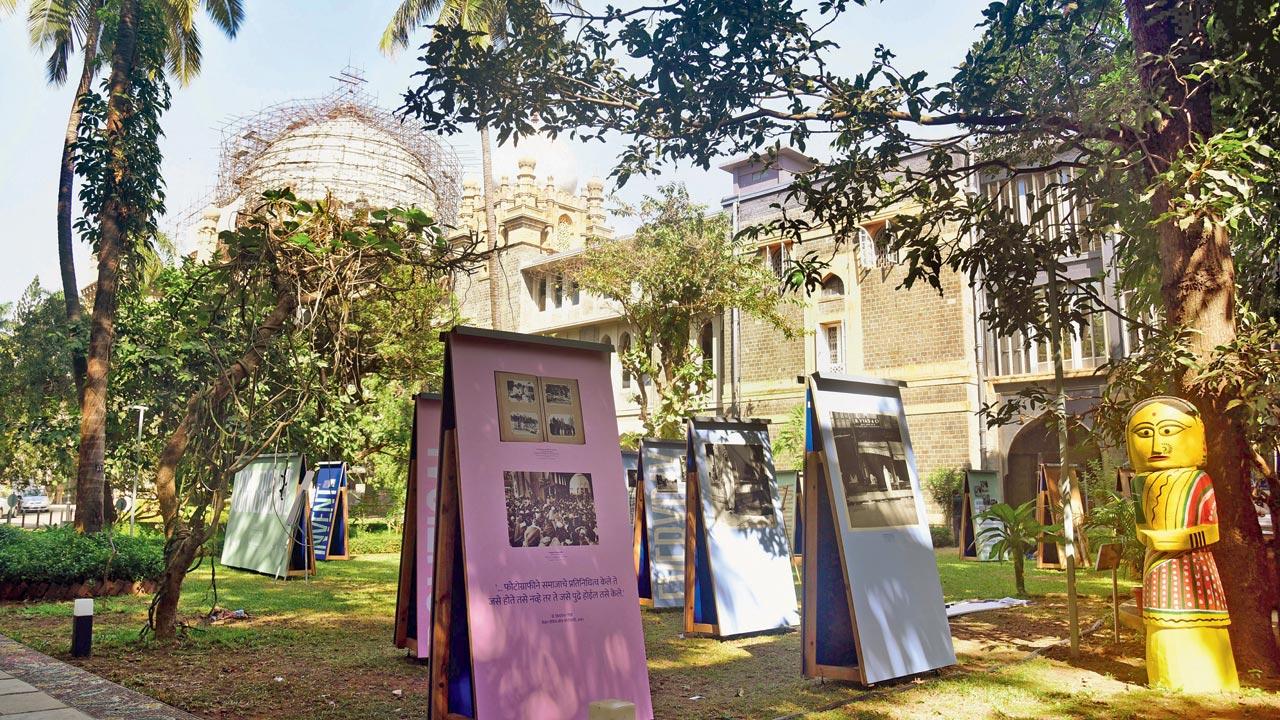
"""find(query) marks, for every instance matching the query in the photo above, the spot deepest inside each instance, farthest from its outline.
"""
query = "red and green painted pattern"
(1181, 588)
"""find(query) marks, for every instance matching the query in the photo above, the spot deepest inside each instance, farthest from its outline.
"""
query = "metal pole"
(133, 504)
(1064, 446)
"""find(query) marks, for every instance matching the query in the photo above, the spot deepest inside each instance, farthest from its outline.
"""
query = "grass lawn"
(322, 649)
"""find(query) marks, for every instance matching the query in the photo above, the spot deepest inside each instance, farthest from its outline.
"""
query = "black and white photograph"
(873, 470)
(741, 485)
(562, 426)
(525, 424)
(522, 391)
(550, 509)
(558, 393)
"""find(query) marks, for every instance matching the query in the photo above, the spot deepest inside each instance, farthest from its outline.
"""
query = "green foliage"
(63, 556)
(680, 269)
(1014, 534)
(945, 486)
(363, 541)
(788, 445)
(941, 536)
(1115, 521)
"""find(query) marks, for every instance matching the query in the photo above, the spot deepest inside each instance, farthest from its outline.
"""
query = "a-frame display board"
(873, 607)
(737, 572)
(1053, 556)
(982, 491)
(535, 613)
(660, 523)
(329, 512)
(269, 520)
(418, 542)
(631, 466)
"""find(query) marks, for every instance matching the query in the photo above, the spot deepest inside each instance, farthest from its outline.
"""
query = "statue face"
(1162, 436)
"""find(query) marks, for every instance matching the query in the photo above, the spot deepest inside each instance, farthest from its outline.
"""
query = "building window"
(776, 257)
(831, 348)
(541, 297)
(832, 287)
(558, 297)
(575, 293)
(1084, 347)
(876, 249)
(706, 345)
(626, 346)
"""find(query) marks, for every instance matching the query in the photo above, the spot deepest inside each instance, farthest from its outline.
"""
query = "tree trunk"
(93, 407)
(66, 187)
(1198, 292)
(1019, 575)
(490, 226)
(182, 542)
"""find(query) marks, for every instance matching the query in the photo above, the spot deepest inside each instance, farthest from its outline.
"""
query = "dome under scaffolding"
(341, 144)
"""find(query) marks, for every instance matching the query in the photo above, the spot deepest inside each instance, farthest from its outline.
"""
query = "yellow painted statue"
(1183, 606)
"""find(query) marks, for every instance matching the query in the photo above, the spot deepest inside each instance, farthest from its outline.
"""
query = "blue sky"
(289, 49)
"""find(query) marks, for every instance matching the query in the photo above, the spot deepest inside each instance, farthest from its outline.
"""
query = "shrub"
(365, 540)
(61, 556)
(941, 535)
(944, 487)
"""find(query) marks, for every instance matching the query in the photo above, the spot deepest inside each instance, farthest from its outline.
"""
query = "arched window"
(626, 345)
(883, 240)
(706, 344)
(832, 286)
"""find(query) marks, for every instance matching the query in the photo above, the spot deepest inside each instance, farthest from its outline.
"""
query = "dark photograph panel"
(547, 509)
(562, 426)
(741, 485)
(522, 391)
(873, 470)
(559, 393)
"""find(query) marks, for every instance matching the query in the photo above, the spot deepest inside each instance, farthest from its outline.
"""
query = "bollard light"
(611, 710)
(82, 628)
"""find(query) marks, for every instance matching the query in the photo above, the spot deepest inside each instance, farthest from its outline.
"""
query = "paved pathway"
(34, 686)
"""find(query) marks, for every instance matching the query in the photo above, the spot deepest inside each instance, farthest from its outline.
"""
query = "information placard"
(329, 512)
(982, 491)
(660, 523)
(417, 544)
(536, 613)
(737, 558)
(269, 519)
(873, 606)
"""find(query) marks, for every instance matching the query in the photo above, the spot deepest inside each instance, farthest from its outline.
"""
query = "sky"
(291, 49)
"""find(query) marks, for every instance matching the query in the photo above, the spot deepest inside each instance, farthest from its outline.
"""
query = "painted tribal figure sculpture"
(1184, 609)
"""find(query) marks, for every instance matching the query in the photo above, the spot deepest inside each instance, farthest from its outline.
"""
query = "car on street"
(33, 499)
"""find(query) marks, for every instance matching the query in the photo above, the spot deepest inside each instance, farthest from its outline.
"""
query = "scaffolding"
(341, 143)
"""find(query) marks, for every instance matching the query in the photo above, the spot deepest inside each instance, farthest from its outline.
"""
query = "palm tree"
(488, 17)
(1014, 533)
(64, 27)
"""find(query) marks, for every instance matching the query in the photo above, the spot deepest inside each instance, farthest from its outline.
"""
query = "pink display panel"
(551, 606)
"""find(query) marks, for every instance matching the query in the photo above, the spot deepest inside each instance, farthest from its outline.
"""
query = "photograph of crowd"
(548, 509)
(525, 424)
(558, 393)
(562, 426)
(873, 469)
(741, 485)
(522, 391)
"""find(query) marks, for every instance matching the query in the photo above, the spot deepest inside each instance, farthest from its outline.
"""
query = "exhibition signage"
(329, 512)
(1049, 512)
(269, 521)
(660, 521)
(873, 607)
(417, 544)
(737, 558)
(631, 466)
(982, 491)
(535, 611)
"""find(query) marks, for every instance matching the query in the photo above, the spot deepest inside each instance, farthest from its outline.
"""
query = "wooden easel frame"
(310, 568)
(968, 535)
(340, 500)
(1048, 507)
(815, 466)
(693, 522)
(448, 554)
(408, 557)
(640, 551)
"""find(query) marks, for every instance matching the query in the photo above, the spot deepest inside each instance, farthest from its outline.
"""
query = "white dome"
(554, 158)
(346, 156)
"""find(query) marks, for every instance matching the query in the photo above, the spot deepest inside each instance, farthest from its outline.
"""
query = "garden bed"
(61, 564)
